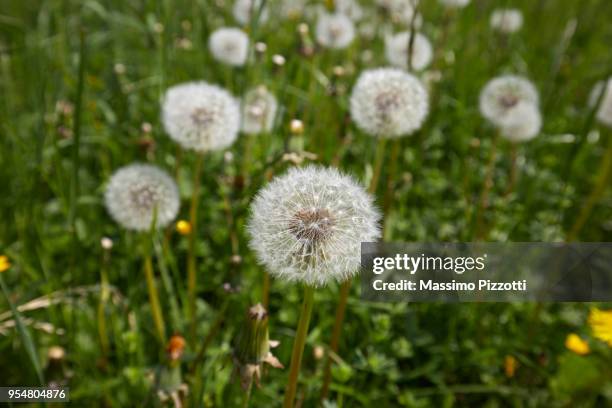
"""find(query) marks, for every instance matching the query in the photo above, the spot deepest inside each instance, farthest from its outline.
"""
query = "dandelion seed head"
(307, 225)
(402, 11)
(258, 111)
(397, 46)
(201, 116)
(455, 3)
(244, 10)
(604, 112)
(388, 102)
(138, 192)
(229, 46)
(521, 123)
(506, 21)
(349, 8)
(503, 93)
(334, 30)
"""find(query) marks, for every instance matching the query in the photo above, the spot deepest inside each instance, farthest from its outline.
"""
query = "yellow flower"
(510, 365)
(183, 227)
(574, 342)
(601, 324)
(4, 263)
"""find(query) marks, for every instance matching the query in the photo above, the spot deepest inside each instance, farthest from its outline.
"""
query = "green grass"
(53, 167)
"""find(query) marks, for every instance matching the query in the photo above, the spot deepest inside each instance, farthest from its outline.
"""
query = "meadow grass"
(81, 84)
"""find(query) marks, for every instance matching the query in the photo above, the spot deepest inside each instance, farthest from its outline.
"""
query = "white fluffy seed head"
(604, 112)
(402, 11)
(455, 3)
(396, 50)
(244, 10)
(503, 93)
(349, 8)
(258, 111)
(521, 123)
(334, 30)
(229, 46)
(308, 225)
(388, 102)
(201, 116)
(138, 192)
(506, 21)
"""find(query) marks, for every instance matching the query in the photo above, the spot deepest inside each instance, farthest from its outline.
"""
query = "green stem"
(104, 295)
(481, 229)
(247, 395)
(603, 176)
(156, 311)
(377, 166)
(335, 340)
(191, 257)
(298, 346)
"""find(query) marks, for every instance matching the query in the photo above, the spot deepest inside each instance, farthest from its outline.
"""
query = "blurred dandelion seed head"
(522, 122)
(138, 192)
(334, 30)
(506, 21)
(307, 225)
(229, 46)
(201, 116)
(258, 111)
(604, 112)
(244, 10)
(402, 11)
(388, 102)
(349, 8)
(502, 94)
(454, 3)
(396, 50)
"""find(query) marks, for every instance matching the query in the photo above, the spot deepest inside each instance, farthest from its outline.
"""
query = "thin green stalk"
(387, 199)
(602, 181)
(345, 288)
(481, 230)
(158, 317)
(24, 333)
(298, 346)
(247, 395)
(104, 295)
(191, 257)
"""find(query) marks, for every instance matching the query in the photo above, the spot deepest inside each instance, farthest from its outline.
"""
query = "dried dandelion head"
(229, 46)
(201, 116)
(398, 45)
(139, 193)
(258, 111)
(308, 225)
(388, 102)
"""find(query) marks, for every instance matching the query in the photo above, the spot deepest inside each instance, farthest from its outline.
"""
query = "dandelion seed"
(500, 95)
(604, 113)
(521, 123)
(402, 11)
(138, 192)
(334, 30)
(601, 324)
(397, 46)
(245, 10)
(258, 111)
(506, 21)
(574, 343)
(229, 46)
(307, 226)
(455, 3)
(201, 116)
(388, 102)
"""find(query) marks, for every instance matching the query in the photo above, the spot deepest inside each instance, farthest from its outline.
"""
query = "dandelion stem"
(345, 288)
(513, 169)
(247, 395)
(265, 290)
(298, 346)
(602, 181)
(387, 199)
(158, 317)
(486, 189)
(104, 294)
(191, 257)
(335, 340)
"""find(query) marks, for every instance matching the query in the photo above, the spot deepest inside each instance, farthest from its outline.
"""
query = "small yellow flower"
(510, 365)
(601, 324)
(183, 227)
(574, 343)
(4, 263)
